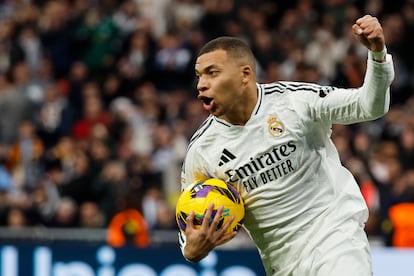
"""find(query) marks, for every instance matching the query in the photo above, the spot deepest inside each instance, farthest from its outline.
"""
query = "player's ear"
(248, 73)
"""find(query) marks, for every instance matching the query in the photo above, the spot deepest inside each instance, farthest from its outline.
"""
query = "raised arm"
(370, 101)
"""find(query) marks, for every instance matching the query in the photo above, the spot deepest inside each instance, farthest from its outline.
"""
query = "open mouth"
(207, 102)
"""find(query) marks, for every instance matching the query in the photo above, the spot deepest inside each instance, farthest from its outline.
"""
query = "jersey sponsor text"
(264, 168)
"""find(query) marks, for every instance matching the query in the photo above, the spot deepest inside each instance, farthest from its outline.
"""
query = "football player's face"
(220, 85)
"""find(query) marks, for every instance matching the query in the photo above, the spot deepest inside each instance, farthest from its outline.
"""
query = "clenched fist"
(369, 32)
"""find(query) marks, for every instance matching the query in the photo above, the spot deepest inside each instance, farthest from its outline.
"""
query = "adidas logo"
(226, 157)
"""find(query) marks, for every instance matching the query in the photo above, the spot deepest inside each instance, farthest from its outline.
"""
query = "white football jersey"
(284, 164)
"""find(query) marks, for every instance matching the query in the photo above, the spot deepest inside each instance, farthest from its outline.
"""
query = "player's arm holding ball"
(210, 219)
(199, 242)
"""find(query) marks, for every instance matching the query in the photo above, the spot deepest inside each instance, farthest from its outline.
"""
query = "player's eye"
(214, 72)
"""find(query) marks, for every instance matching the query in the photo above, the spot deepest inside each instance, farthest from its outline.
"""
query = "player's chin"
(215, 110)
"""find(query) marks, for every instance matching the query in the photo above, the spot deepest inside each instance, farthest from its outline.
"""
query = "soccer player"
(304, 210)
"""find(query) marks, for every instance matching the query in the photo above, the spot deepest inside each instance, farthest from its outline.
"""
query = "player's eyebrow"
(206, 69)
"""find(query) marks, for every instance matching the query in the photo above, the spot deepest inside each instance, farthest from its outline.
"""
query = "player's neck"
(244, 108)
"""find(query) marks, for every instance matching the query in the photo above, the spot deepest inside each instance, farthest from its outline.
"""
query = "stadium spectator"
(66, 215)
(91, 216)
(25, 156)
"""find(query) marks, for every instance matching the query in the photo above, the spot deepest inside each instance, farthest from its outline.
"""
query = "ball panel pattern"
(197, 198)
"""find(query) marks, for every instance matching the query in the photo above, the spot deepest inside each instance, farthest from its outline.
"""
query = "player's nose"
(202, 85)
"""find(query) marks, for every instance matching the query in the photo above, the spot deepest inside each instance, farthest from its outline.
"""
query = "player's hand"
(201, 241)
(369, 32)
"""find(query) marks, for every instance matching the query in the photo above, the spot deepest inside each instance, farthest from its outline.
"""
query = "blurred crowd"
(98, 99)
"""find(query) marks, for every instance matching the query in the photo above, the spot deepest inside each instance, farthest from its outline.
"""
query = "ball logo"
(276, 128)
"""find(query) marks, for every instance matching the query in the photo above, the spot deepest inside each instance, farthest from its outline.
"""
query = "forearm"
(374, 95)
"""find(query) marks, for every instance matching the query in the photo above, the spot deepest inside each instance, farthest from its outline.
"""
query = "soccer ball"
(198, 196)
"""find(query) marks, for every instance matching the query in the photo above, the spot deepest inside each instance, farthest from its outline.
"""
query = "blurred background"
(98, 102)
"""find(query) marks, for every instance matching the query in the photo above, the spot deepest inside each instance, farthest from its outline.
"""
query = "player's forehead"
(217, 58)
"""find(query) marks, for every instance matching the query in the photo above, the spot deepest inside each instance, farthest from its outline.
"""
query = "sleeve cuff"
(379, 56)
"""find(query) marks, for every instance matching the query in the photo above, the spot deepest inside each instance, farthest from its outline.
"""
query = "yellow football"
(198, 196)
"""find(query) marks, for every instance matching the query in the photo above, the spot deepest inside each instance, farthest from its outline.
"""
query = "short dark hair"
(234, 47)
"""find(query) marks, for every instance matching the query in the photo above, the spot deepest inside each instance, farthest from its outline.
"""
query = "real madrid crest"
(276, 128)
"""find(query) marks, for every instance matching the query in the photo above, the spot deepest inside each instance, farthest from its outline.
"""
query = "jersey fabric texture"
(304, 210)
